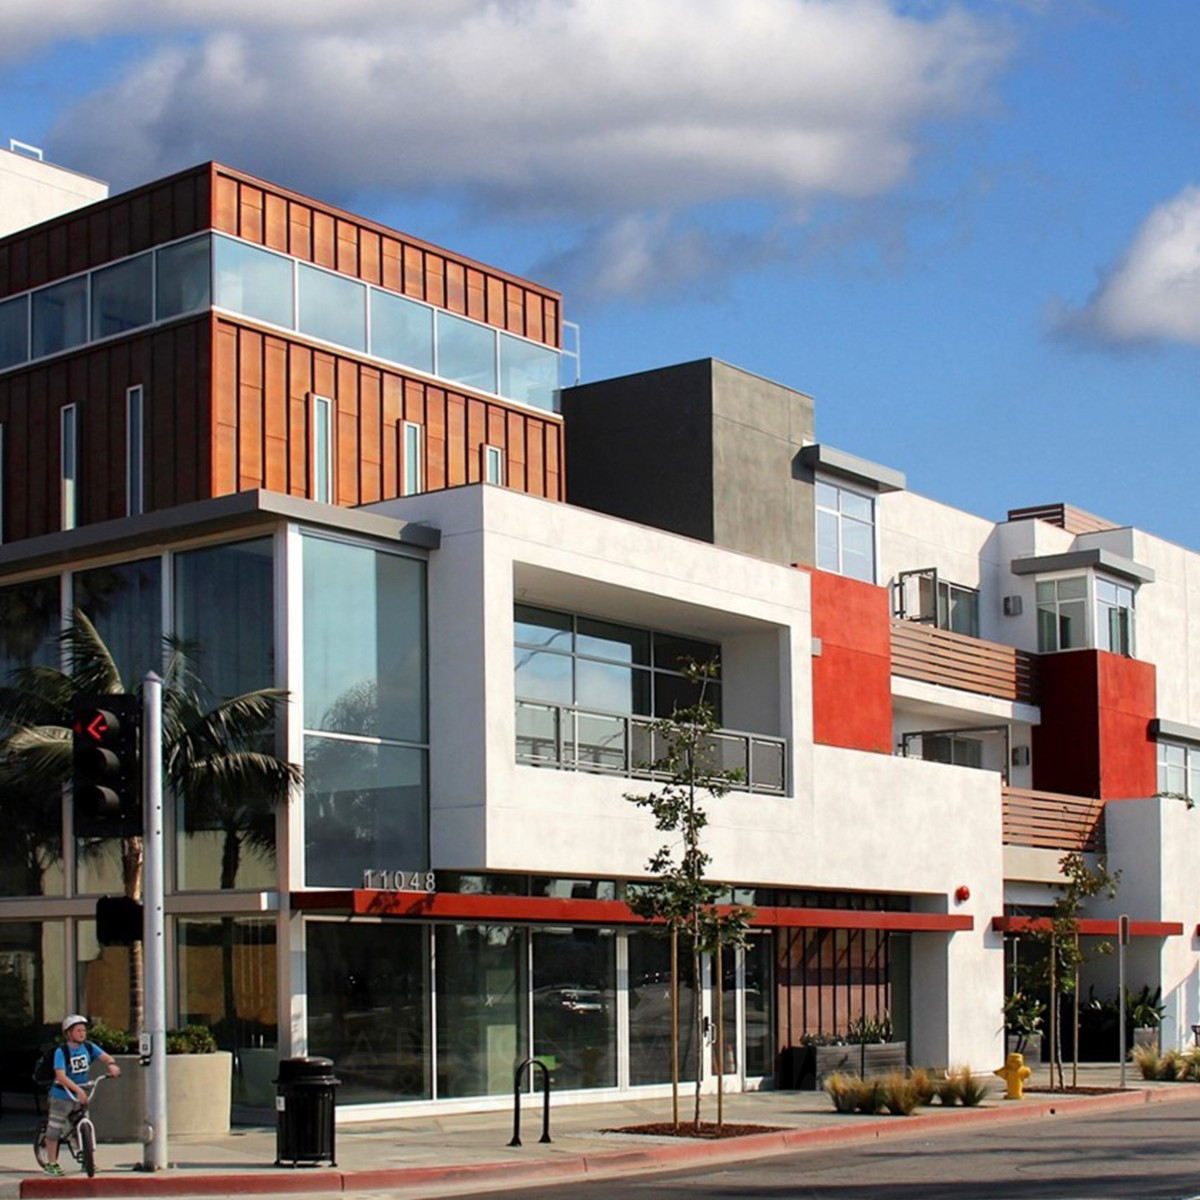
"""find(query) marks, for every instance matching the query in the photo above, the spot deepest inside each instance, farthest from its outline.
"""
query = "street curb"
(600, 1164)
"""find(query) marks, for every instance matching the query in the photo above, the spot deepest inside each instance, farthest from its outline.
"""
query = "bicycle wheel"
(87, 1146)
(39, 1145)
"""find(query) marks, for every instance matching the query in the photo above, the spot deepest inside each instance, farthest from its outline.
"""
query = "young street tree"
(680, 897)
(216, 756)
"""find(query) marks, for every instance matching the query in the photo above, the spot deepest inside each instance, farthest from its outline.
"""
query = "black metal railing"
(576, 739)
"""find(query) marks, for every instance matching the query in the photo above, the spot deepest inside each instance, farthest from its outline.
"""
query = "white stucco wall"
(33, 191)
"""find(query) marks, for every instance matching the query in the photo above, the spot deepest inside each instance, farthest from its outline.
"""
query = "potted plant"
(1023, 1016)
(199, 1081)
(1143, 1015)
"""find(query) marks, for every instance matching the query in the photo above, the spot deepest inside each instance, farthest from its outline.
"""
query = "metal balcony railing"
(954, 660)
(1050, 821)
(575, 739)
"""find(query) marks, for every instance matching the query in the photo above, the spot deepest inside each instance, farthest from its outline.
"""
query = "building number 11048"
(399, 881)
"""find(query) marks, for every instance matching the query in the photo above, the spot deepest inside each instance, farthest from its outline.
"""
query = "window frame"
(68, 465)
(322, 460)
(135, 450)
(412, 459)
(841, 519)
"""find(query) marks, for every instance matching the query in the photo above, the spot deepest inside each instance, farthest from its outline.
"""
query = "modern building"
(340, 461)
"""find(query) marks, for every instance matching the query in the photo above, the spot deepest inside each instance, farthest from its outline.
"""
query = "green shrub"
(115, 1041)
(191, 1039)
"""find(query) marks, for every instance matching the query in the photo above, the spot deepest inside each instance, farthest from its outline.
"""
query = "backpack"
(43, 1069)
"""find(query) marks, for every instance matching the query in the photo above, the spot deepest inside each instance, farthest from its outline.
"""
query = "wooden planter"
(807, 1067)
(198, 1097)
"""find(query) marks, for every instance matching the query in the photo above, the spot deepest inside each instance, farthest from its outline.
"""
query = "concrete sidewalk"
(456, 1154)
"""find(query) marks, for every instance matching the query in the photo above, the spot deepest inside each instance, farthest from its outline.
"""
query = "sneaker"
(55, 1170)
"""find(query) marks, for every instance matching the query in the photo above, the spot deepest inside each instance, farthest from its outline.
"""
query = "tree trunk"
(698, 1009)
(132, 856)
(675, 1023)
(720, 980)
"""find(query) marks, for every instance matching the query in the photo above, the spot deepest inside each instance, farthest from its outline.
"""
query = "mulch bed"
(708, 1130)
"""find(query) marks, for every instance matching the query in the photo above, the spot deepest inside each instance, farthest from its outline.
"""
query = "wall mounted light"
(962, 893)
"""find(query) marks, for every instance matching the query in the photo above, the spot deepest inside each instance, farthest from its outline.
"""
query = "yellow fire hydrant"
(1014, 1073)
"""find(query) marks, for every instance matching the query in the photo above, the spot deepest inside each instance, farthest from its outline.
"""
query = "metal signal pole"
(153, 1046)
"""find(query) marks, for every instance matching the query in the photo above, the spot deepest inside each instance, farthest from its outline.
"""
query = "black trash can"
(305, 1097)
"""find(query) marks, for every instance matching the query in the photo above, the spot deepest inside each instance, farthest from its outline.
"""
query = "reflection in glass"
(466, 352)
(253, 282)
(574, 1005)
(401, 330)
(33, 992)
(124, 602)
(368, 1007)
(364, 809)
(529, 372)
(29, 617)
(184, 277)
(60, 316)
(541, 675)
(481, 995)
(537, 627)
(650, 1009)
(227, 983)
(756, 1006)
(366, 675)
(101, 977)
(14, 331)
(332, 307)
(616, 643)
(122, 298)
(611, 688)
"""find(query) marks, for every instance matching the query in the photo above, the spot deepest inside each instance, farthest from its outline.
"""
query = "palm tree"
(216, 757)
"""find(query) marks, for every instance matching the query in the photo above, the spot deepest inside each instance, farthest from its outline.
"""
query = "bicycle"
(80, 1137)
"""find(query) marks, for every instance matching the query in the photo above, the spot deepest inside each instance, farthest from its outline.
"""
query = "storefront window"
(33, 993)
(650, 1010)
(368, 1008)
(124, 602)
(101, 977)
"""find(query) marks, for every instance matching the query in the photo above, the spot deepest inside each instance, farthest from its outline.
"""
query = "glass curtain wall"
(33, 991)
(650, 1009)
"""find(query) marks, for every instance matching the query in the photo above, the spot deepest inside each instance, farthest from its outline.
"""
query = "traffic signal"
(106, 768)
(118, 921)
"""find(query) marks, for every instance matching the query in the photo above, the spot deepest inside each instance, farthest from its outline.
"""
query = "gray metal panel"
(1083, 560)
(820, 457)
(1174, 731)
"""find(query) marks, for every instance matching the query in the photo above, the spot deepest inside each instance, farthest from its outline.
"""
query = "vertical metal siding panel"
(435, 439)
(477, 420)
(141, 234)
(392, 256)
(98, 230)
(458, 444)
(324, 374)
(536, 462)
(39, 253)
(348, 484)
(370, 425)
(18, 267)
(21, 465)
(275, 222)
(476, 295)
(495, 301)
(515, 453)
(514, 316)
(162, 213)
(300, 388)
(496, 432)
(535, 325)
(300, 230)
(43, 448)
(554, 470)
(225, 411)
(183, 207)
(346, 248)
(456, 287)
(275, 415)
(413, 283)
(324, 250)
(370, 256)
(225, 204)
(415, 395)
(435, 279)
(166, 376)
(250, 213)
(250, 409)
(392, 408)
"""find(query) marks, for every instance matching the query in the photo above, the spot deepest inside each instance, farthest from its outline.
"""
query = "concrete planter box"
(198, 1097)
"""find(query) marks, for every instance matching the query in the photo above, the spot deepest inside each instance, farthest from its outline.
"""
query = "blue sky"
(970, 230)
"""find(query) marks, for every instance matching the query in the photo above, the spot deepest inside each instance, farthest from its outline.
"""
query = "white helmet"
(73, 1019)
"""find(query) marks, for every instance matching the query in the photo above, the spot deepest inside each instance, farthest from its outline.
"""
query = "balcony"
(1050, 821)
(574, 739)
(938, 656)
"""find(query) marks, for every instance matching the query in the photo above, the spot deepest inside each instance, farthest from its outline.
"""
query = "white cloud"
(583, 110)
(1153, 292)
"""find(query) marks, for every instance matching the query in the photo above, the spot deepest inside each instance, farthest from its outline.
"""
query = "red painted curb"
(282, 1181)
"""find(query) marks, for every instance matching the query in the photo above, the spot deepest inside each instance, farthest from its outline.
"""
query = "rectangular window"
(184, 277)
(529, 372)
(69, 464)
(1114, 616)
(493, 465)
(466, 352)
(1, 485)
(957, 608)
(1179, 770)
(413, 469)
(60, 316)
(322, 449)
(1062, 614)
(402, 330)
(253, 282)
(14, 332)
(122, 296)
(332, 307)
(845, 531)
(134, 451)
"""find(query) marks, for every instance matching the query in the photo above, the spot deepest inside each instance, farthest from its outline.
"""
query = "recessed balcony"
(954, 660)
(1051, 821)
(575, 739)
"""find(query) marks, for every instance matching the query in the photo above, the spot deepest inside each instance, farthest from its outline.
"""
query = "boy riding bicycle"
(72, 1064)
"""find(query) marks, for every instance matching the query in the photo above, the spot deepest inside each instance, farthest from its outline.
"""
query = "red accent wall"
(1094, 736)
(852, 676)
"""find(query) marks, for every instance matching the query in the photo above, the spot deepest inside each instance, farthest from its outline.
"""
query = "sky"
(970, 230)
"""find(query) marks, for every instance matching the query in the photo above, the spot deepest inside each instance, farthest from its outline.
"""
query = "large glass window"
(124, 602)
(29, 622)
(60, 315)
(650, 1009)
(1114, 616)
(1062, 613)
(122, 296)
(528, 372)
(845, 531)
(481, 996)
(33, 991)
(368, 1008)
(14, 331)
(227, 983)
(253, 282)
(332, 307)
(957, 608)
(401, 330)
(1179, 770)
(574, 1005)
(184, 277)
(466, 352)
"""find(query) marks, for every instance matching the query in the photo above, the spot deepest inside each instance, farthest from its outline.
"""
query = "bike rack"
(517, 1076)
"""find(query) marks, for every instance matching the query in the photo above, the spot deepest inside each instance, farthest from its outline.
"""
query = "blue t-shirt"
(76, 1061)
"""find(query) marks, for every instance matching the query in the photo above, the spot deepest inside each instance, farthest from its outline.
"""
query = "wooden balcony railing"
(1049, 821)
(954, 660)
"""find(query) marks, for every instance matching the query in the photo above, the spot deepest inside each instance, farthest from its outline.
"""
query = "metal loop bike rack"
(518, 1074)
